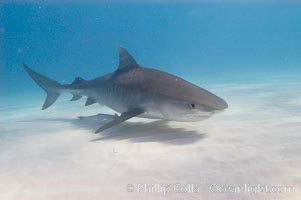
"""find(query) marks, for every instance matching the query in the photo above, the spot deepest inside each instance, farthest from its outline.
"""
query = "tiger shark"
(136, 91)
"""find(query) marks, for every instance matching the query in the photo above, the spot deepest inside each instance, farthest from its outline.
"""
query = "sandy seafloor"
(51, 154)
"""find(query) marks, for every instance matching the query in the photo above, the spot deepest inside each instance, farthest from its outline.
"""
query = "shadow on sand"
(137, 132)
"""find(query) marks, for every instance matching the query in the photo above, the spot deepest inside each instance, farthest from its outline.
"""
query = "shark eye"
(192, 105)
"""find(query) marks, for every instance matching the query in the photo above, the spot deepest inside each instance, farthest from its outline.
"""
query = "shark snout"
(216, 103)
(219, 104)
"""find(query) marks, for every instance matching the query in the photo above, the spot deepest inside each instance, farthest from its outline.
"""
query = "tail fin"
(50, 86)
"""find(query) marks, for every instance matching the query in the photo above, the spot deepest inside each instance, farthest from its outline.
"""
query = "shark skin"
(136, 91)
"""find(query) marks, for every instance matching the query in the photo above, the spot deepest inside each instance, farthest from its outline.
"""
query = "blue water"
(204, 43)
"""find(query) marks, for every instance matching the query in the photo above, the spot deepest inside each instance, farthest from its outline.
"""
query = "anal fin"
(123, 117)
(90, 101)
(75, 97)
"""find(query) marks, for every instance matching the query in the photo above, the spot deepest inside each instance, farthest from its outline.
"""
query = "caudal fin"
(51, 87)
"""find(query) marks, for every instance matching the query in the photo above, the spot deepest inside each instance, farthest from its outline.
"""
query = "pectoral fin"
(123, 117)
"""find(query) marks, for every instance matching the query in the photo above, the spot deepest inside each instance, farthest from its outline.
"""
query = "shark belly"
(122, 100)
(154, 106)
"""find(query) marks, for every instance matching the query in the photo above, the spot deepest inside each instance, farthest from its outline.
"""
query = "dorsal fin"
(78, 80)
(125, 59)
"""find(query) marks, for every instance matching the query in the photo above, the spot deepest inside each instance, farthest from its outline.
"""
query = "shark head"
(192, 108)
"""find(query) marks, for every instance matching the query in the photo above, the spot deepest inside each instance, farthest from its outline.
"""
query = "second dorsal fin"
(78, 80)
(126, 60)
